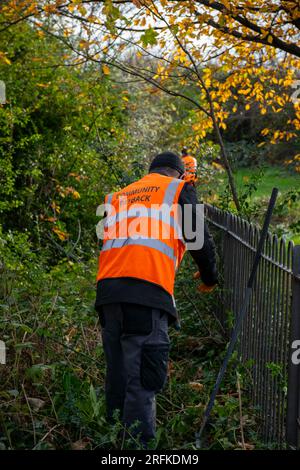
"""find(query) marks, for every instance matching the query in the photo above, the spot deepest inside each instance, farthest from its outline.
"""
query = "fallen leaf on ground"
(36, 403)
(80, 445)
(196, 386)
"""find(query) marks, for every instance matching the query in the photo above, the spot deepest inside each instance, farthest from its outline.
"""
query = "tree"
(61, 136)
(224, 49)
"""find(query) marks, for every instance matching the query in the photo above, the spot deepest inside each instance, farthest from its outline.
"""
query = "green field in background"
(272, 177)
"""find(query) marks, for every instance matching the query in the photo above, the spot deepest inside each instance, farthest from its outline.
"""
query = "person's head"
(184, 151)
(167, 163)
(191, 166)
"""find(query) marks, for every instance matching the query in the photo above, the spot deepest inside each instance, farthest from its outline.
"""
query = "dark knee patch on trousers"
(154, 366)
(137, 319)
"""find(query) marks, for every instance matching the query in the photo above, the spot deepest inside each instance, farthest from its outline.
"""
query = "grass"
(272, 177)
(263, 180)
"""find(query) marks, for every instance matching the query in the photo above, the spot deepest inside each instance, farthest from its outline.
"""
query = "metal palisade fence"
(270, 339)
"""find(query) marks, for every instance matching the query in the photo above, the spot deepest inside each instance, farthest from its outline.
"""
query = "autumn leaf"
(105, 69)
(4, 58)
(63, 236)
(137, 3)
(36, 403)
(76, 195)
(82, 10)
(196, 386)
(49, 9)
(81, 444)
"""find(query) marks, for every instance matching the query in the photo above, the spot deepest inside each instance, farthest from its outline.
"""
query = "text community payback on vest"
(149, 210)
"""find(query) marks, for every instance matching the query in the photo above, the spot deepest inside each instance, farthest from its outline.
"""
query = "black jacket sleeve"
(205, 258)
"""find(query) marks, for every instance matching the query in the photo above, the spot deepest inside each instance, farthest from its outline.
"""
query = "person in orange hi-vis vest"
(140, 255)
(191, 166)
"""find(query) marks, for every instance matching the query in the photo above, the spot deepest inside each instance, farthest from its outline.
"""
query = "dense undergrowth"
(52, 388)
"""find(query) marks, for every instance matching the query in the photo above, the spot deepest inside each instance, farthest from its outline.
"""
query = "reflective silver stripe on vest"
(148, 242)
(145, 212)
(171, 191)
(109, 198)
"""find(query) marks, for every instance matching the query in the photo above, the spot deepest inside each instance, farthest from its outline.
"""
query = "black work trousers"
(136, 346)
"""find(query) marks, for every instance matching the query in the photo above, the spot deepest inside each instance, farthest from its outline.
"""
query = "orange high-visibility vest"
(143, 239)
(190, 165)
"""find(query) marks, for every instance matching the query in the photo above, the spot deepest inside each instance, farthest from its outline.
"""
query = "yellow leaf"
(61, 235)
(217, 166)
(76, 195)
(270, 39)
(276, 134)
(4, 58)
(82, 10)
(49, 9)
(226, 4)
(105, 69)
(83, 44)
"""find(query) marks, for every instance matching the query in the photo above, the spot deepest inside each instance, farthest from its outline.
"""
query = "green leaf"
(149, 37)
(29, 345)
